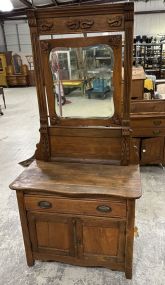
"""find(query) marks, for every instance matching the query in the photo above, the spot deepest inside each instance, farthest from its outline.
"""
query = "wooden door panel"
(103, 239)
(51, 233)
(152, 150)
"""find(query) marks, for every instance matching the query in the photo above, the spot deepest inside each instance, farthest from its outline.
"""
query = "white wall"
(150, 24)
(2, 44)
(12, 38)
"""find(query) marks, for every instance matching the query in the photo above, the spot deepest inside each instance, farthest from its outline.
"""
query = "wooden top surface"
(75, 179)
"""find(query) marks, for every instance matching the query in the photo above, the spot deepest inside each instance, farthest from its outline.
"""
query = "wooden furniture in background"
(138, 77)
(3, 65)
(76, 207)
(17, 79)
(148, 125)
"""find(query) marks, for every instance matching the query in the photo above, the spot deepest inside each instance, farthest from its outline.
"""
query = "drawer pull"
(104, 208)
(156, 132)
(44, 205)
(157, 123)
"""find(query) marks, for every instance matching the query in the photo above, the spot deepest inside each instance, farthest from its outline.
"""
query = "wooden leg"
(25, 230)
(128, 273)
(129, 238)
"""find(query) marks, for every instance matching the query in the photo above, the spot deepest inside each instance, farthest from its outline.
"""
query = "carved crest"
(46, 27)
(44, 46)
(115, 21)
(77, 24)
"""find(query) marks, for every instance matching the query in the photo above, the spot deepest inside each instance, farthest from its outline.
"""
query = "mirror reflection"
(83, 81)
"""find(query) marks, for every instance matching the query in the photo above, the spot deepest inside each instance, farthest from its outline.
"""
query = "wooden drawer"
(148, 132)
(145, 123)
(101, 207)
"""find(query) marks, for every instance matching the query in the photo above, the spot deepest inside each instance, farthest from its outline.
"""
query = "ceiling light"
(6, 6)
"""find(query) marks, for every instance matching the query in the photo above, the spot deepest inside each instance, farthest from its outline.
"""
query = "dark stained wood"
(25, 229)
(77, 208)
(81, 262)
(148, 125)
(51, 233)
(96, 18)
(152, 150)
(129, 238)
(135, 151)
(96, 148)
(147, 106)
(103, 239)
(80, 179)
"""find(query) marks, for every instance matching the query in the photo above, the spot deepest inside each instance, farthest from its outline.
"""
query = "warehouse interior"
(84, 79)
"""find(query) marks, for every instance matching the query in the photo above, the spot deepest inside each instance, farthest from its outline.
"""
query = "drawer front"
(101, 207)
(145, 123)
(148, 132)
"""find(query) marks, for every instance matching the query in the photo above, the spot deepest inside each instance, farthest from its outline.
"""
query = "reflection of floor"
(81, 106)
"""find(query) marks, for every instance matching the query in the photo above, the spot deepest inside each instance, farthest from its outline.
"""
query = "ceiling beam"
(26, 3)
(54, 2)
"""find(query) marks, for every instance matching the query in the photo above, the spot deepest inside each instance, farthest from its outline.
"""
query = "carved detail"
(125, 131)
(45, 142)
(55, 120)
(44, 46)
(125, 150)
(115, 40)
(46, 27)
(116, 120)
(115, 21)
(77, 24)
(31, 18)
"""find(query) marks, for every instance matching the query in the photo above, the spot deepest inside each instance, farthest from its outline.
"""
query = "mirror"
(83, 81)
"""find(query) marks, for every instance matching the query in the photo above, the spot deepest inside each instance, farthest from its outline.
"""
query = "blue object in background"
(100, 87)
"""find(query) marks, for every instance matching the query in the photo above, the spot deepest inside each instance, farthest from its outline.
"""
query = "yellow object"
(136, 233)
(148, 84)
(71, 83)
(3, 70)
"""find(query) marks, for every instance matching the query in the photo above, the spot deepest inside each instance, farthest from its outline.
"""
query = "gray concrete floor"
(18, 137)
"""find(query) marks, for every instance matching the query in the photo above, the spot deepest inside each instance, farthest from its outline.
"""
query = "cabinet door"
(51, 233)
(135, 150)
(101, 239)
(152, 150)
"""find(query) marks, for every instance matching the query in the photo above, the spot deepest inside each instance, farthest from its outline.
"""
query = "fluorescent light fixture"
(6, 6)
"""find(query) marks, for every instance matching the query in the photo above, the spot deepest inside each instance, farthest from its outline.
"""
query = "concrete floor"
(18, 136)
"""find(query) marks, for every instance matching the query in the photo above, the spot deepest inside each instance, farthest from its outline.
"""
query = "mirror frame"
(115, 42)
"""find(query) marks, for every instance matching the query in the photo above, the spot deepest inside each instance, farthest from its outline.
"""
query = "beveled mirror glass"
(83, 81)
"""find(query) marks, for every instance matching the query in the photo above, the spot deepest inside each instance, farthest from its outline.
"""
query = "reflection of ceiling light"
(6, 6)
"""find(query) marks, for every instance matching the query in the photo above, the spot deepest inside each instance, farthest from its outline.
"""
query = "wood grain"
(80, 179)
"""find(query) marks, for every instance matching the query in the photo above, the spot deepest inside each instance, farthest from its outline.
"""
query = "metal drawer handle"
(156, 132)
(157, 123)
(44, 204)
(104, 208)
